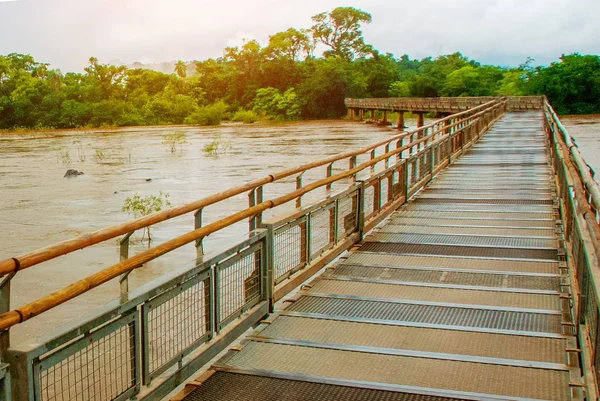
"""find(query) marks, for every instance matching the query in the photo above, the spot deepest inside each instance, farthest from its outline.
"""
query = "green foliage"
(181, 69)
(340, 31)
(208, 115)
(245, 116)
(280, 106)
(284, 80)
(142, 206)
(216, 146)
(572, 85)
(173, 141)
(399, 89)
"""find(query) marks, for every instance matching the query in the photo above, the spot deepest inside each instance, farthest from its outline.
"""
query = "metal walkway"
(461, 294)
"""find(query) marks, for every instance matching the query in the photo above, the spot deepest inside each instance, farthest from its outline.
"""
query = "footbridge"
(457, 261)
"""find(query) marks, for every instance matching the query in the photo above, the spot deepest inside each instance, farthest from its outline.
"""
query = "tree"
(279, 105)
(139, 206)
(181, 69)
(290, 45)
(340, 31)
(572, 85)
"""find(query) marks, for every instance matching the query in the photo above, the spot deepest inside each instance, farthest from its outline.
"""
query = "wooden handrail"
(583, 170)
(32, 309)
(50, 252)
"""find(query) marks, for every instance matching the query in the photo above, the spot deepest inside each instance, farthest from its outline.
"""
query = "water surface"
(39, 207)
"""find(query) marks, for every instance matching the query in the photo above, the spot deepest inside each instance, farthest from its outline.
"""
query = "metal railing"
(580, 203)
(442, 104)
(154, 337)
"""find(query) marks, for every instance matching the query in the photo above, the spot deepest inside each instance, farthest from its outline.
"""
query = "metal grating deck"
(431, 314)
(461, 294)
(226, 386)
(446, 277)
(467, 377)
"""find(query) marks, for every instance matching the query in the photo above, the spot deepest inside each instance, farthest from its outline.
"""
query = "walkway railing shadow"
(154, 337)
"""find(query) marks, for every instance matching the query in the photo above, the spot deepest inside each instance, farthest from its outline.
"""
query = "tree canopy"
(286, 79)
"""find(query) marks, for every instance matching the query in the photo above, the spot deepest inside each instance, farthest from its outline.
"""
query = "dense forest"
(299, 74)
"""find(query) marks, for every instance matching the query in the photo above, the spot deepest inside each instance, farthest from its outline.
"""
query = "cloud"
(67, 32)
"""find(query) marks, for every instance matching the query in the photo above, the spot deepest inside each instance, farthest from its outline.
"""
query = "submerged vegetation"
(216, 146)
(282, 80)
(142, 206)
(174, 141)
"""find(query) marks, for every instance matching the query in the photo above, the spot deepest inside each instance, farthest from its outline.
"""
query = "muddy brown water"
(38, 207)
(586, 131)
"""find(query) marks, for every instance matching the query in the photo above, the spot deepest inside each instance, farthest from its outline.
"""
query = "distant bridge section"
(438, 105)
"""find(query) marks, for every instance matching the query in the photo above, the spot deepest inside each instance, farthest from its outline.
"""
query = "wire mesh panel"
(101, 366)
(322, 229)
(289, 249)
(175, 323)
(347, 215)
(238, 284)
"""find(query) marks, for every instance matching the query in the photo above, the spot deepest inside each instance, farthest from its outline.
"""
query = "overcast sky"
(66, 33)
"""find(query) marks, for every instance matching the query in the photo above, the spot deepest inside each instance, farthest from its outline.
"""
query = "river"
(586, 131)
(39, 207)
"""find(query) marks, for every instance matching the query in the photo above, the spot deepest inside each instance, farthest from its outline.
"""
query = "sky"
(66, 33)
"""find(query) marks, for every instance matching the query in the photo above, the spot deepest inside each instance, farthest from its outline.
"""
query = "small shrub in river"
(138, 206)
(172, 141)
(215, 147)
(64, 156)
(99, 156)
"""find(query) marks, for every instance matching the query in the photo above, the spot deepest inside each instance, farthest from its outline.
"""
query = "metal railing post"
(361, 210)
(5, 386)
(298, 186)
(251, 203)
(124, 255)
(259, 199)
(352, 163)
(398, 146)
(269, 266)
(199, 242)
(372, 157)
(329, 174)
(387, 159)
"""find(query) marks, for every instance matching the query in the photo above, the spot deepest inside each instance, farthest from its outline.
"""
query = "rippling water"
(39, 207)
(586, 131)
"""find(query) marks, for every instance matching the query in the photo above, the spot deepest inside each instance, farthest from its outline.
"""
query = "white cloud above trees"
(66, 33)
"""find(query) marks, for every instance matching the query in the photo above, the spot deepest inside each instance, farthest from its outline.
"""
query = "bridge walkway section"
(463, 293)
